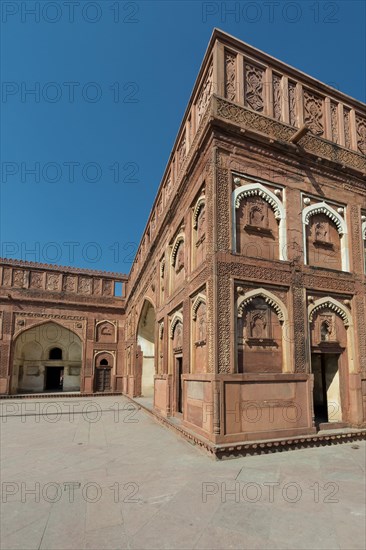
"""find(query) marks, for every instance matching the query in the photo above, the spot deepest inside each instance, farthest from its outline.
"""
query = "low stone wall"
(262, 407)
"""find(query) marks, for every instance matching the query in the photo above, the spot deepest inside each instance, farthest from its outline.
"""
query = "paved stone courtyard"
(95, 473)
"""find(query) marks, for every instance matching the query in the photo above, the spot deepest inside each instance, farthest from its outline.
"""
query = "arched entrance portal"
(146, 341)
(46, 357)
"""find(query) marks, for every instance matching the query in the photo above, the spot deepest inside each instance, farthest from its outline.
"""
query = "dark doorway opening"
(179, 383)
(54, 378)
(103, 379)
(327, 404)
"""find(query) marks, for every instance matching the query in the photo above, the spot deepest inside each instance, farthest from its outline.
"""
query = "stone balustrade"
(39, 277)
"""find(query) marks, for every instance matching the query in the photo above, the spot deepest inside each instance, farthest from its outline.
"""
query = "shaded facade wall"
(285, 238)
(79, 303)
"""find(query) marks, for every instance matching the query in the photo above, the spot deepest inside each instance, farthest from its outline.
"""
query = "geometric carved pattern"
(254, 87)
(334, 122)
(299, 327)
(204, 95)
(347, 132)
(292, 103)
(230, 76)
(277, 97)
(361, 134)
(313, 113)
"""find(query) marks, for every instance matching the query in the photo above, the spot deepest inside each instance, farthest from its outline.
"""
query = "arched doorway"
(331, 331)
(46, 358)
(146, 342)
(103, 372)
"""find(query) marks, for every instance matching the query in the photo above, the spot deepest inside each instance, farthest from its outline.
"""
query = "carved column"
(301, 333)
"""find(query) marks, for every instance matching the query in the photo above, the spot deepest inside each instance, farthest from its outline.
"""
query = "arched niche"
(199, 224)
(177, 262)
(199, 334)
(263, 339)
(259, 222)
(105, 332)
(325, 237)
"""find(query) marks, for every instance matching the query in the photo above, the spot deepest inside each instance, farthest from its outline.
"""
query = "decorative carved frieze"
(311, 143)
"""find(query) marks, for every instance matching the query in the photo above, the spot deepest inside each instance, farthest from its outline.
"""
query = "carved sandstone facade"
(244, 311)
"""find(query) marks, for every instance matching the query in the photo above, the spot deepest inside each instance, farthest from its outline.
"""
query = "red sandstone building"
(244, 312)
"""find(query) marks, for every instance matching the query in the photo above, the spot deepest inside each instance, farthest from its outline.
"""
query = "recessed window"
(55, 353)
(118, 289)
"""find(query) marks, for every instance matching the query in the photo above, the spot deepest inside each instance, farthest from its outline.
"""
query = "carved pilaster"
(361, 330)
(300, 324)
(223, 204)
(224, 318)
(216, 409)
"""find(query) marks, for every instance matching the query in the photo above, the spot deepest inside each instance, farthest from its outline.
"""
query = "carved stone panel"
(53, 281)
(69, 283)
(36, 280)
(334, 122)
(18, 278)
(292, 104)
(347, 128)
(107, 287)
(7, 272)
(313, 113)
(230, 75)
(204, 94)
(277, 97)
(361, 134)
(253, 87)
(85, 285)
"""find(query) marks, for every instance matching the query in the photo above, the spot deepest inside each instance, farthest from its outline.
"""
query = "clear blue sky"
(112, 81)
